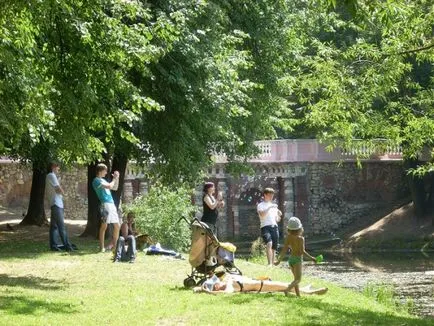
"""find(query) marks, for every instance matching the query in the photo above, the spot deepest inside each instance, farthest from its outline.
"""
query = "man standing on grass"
(109, 213)
(54, 194)
(269, 216)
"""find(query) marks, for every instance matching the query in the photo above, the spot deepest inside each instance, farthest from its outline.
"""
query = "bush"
(257, 249)
(158, 212)
(385, 294)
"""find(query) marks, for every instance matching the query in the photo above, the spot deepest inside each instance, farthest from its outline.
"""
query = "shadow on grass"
(180, 289)
(343, 315)
(26, 249)
(327, 312)
(23, 305)
(30, 282)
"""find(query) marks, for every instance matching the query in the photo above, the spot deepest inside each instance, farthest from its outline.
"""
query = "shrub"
(158, 212)
(385, 294)
(257, 249)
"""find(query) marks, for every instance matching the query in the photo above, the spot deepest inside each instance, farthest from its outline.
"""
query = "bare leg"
(102, 229)
(116, 228)
(296, 271)
(273, 256)
(267, 286)
(270, 253)
(297, 290)
(250, 285)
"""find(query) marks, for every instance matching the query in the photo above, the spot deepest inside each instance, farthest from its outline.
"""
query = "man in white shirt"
(54, 194)
(269, 216)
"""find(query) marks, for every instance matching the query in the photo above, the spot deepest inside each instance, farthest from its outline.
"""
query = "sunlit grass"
(40, 287)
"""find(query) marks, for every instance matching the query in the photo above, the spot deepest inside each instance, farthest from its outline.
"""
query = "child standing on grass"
(295, 242)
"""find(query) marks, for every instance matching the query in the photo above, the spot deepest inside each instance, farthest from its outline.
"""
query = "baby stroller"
(207, 254)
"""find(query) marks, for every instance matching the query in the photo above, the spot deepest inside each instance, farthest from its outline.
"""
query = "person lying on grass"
(231, 283)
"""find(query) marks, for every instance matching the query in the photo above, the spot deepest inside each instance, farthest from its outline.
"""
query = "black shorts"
(270, 233)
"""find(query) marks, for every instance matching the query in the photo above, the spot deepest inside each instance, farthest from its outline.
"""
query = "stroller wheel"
(189, 282)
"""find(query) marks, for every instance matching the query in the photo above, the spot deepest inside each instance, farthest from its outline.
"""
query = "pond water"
(411, 274)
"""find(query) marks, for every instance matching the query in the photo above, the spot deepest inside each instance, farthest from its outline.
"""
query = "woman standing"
(210, 205)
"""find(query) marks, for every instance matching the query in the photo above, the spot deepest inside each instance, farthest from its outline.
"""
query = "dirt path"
(10, 230)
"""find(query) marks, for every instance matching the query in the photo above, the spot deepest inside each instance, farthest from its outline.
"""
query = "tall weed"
(385, 294)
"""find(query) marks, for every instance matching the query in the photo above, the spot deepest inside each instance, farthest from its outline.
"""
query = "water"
(411, 274)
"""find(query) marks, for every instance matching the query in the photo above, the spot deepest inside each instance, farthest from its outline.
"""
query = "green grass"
(38, 287)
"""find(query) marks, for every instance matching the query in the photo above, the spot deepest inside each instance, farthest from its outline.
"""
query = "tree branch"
(414, 50)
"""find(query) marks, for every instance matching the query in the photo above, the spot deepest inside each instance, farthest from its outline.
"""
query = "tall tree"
(364, 74)
(67, 83)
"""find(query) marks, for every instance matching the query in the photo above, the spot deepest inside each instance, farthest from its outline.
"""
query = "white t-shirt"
(52, 196)
(272, 213)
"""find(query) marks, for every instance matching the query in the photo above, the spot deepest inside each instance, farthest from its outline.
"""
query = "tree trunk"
(36, 212)
(119, 164)
(417, 190)
(430, 201)
(93, 214)
(418, 195)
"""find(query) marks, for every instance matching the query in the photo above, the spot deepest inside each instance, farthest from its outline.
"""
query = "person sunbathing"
(238, 283)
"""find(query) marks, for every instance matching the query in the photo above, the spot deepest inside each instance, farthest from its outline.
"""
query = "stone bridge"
(326, 190)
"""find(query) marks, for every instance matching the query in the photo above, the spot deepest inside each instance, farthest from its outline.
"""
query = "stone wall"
(342, 194)
(325, 196)
(16, 182)
(239, 220)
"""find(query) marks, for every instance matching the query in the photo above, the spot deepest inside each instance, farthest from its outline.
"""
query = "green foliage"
(386, 295)
(66, 66)
(257, 249)
(383, 293)
(158, 214)
(204, 94)
(42, 287)
(364, 74)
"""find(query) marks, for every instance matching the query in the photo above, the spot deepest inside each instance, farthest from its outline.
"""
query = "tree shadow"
(31, 282)
(179, 288)
(339, 314)
(23, 305)
(28, 249)
(249, 297)
(342, 315)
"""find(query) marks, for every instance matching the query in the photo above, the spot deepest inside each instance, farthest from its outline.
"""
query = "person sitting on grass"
(295, 242)
(237, 283)
(126, 244)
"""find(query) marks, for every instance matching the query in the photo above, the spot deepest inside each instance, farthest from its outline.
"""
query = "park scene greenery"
(170, 83)
(88, 289)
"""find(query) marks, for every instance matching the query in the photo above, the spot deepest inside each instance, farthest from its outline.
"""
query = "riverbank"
(409, 276)
(399, 230)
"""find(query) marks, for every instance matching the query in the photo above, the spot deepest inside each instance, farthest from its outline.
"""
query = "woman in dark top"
(210, 205)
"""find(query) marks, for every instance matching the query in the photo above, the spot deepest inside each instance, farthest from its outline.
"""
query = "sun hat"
(294, 223)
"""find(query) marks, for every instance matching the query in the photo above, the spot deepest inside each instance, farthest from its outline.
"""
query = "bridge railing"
(298, 150)
(311, 150)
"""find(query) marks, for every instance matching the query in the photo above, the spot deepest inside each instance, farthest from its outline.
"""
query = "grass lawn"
(38, 287)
